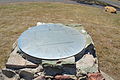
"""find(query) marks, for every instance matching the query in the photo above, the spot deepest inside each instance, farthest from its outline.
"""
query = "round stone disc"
(51, 41)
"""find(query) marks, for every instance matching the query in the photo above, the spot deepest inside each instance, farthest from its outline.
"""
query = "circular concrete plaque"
(51, 41)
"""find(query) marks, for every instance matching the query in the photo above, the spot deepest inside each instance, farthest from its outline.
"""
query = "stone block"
(8, 74)
(17, 61)
(87, 64)
(26, 75)
(32, 70)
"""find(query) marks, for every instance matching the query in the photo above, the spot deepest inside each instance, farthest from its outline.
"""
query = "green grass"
(102, 26)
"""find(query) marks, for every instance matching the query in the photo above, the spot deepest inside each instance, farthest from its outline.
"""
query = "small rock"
(69, 69)
(41, 73)
(36, 75)
(82, 78)
(62, 77)
(38, 69)
(95, 76)
(40, 23)
(26, 75)
(40, 78)
(9, 75)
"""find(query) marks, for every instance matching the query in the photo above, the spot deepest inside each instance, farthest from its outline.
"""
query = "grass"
(102, 26)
